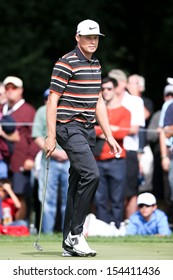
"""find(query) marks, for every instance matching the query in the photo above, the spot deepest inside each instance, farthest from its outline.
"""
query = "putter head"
(37, 246)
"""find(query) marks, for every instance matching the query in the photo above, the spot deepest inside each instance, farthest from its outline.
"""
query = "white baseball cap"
(13, 80)
(168, 89)
(169, 80)
(146, 198)
(88, 27)
(117, 74)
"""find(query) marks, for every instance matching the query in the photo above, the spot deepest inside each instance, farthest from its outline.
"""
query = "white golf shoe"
(79, 245)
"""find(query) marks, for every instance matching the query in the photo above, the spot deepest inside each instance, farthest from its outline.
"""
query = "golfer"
(74, 103)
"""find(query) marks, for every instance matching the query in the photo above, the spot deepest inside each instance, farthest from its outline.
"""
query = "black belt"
(131, 151)
(83, 124)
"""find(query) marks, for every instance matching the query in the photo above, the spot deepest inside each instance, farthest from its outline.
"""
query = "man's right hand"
(49, 146)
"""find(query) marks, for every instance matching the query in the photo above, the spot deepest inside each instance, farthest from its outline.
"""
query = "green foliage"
(57, 237)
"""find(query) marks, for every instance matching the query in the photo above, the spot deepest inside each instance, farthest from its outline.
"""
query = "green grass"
(113, 248)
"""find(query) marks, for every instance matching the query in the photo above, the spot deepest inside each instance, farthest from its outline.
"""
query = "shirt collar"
(81, 56)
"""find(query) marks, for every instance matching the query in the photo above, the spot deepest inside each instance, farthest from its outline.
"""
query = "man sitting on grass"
(148, 220)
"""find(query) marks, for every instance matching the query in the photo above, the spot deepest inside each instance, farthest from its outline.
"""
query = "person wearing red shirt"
(10, 204)
(109, 197)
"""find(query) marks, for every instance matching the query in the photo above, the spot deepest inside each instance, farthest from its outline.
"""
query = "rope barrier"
(153, 130)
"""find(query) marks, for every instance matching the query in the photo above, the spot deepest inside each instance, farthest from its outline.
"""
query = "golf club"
(36, 245)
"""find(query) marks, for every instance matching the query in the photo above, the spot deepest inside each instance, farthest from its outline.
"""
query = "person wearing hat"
(25, 150)
(3, 98)
(57, 184)
(168, 121)
(148, 220)
(74, 102)
(168, 99)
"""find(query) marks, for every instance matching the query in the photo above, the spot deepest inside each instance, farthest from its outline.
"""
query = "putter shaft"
(36, 245)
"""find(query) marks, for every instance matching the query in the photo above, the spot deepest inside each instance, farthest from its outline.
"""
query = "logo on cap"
(91, 28)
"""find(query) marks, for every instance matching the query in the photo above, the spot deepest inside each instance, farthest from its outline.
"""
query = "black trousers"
(79, 143)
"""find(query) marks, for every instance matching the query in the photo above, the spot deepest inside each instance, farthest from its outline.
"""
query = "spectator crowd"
(135, 191)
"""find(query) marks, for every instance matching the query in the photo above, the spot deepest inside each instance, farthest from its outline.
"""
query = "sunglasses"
(12, 87)
(144, 205)
(108, 88)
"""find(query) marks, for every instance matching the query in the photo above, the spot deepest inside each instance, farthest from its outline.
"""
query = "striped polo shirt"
(77, 80)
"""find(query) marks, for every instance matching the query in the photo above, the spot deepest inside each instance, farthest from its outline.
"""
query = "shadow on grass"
(42, 253)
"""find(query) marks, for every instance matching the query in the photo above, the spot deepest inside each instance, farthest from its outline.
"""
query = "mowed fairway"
(117, 248)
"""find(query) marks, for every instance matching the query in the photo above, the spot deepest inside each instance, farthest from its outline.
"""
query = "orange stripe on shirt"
(64, 65)
(59, 79)
(81, 95)
(75, 109)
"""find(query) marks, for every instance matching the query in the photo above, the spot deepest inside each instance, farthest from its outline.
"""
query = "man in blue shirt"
(168, 129)
(148, 220)
(168, 121)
